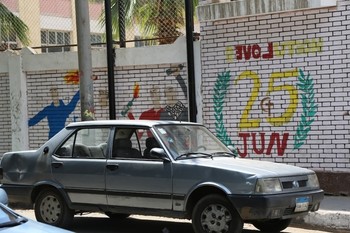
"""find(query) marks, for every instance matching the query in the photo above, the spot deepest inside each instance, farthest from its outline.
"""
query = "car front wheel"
(215, 214)
(50, 208)
(273, 226)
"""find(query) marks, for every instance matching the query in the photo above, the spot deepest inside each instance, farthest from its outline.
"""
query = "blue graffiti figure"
(56, 113)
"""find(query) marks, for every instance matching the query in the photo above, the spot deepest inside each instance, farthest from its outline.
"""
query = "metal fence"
(50, 25)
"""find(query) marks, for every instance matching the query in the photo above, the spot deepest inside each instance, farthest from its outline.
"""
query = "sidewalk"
(334, 213)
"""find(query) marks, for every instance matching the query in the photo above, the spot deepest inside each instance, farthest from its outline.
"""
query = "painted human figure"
(152, 113)
(56, 113)
(174, 109)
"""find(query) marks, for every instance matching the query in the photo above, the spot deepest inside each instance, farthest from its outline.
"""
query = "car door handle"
(56, 164)
(112, 167)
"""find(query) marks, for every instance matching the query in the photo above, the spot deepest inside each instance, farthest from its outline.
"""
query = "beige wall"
(31, 17)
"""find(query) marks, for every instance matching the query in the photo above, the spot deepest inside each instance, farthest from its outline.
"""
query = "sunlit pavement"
(100, 223)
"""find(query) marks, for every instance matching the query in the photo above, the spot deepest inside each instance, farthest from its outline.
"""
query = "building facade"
(52, 23)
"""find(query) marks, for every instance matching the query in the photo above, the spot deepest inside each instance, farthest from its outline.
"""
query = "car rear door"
(134, 180)
(80, 164)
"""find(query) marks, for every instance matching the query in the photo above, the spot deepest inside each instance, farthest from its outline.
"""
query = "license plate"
(302, 204)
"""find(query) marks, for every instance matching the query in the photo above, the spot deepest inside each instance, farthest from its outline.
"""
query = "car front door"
(79, 165)
(136, 180)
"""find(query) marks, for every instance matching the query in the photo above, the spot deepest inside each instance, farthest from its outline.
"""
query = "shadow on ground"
(131, 225)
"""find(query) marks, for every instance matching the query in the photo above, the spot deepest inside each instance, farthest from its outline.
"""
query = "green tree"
(12, 25)
(164, 19)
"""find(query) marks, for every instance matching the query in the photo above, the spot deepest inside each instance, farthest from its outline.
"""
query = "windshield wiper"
(224, 153)
(186, 155)
(16, 222)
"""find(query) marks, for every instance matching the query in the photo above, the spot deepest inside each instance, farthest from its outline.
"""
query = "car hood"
(34, 227)
(254, 167)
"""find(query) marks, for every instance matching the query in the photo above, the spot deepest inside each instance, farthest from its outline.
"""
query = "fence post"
(190, 61)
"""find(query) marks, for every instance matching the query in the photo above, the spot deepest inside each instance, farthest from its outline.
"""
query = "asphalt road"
(99, 223)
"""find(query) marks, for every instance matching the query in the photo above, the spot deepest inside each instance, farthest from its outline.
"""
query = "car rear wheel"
(215, 214)
(50, 208)
(273, 226)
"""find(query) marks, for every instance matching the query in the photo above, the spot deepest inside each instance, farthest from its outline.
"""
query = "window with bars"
(96, 40)
(55, 41)
(8, 41)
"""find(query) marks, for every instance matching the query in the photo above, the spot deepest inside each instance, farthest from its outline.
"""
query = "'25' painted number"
(245, 121)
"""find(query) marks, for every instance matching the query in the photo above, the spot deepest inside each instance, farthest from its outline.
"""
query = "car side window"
(89, 143)
(130, 143)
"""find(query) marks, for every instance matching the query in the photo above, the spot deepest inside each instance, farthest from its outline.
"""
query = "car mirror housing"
(3, 197)
(159, 153)
(231, 148)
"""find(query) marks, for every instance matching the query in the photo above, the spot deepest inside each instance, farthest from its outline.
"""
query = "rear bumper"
(277, 206)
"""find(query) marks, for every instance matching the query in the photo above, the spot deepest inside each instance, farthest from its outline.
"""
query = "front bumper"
(276, 206)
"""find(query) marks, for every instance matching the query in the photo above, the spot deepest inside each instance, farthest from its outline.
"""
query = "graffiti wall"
(53, 102)
(156, 94)
(281, 86)
(153, 93)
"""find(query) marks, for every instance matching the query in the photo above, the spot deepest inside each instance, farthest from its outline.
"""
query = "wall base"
(334, 183)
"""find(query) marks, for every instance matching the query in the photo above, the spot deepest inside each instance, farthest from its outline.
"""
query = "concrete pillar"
(18, 102)
(198, 78)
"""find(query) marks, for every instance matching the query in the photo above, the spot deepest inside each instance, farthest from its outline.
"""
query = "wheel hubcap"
(216, 219)
(50, 209)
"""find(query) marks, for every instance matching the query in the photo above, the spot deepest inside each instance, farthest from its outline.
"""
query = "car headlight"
(312, 181)
(269, 185)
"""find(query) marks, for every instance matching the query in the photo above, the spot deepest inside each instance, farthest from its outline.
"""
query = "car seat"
(150, 144)
(123, 148)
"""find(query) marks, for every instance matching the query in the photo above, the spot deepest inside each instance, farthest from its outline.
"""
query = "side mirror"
(231, 148)
(3, 197)
(159, 153)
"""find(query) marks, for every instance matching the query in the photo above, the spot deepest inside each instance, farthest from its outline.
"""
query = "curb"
(331, 220)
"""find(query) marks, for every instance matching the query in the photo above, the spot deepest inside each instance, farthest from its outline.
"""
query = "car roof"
(142, 123)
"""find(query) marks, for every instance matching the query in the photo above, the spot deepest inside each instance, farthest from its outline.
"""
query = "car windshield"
(9, 218)
(191, 141)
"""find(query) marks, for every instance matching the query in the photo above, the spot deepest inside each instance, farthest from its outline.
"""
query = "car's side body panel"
(140, 183)
(82, 179)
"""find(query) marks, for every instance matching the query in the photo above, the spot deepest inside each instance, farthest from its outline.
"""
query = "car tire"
(50, 208)
(117, 216)
(214, 213)
(273, 226)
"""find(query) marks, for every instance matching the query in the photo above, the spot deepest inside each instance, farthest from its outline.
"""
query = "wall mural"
(58, 112)
(276, 141)
(273, 50)
(303, 91)
(173, 109)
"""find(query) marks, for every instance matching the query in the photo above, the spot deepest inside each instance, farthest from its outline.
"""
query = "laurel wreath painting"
(305, 85)
(220, 90)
